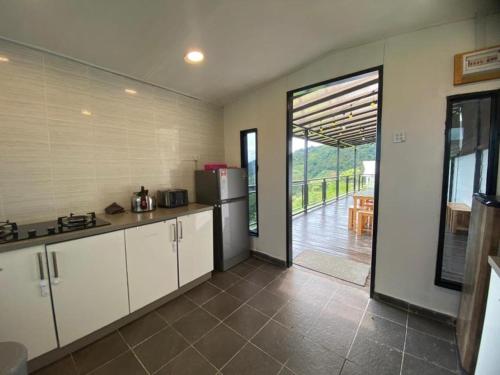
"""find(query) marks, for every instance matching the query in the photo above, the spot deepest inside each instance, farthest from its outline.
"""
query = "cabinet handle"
(44, 287)
(40, 266)
(182, 232)
(56, 268)
(174, 233)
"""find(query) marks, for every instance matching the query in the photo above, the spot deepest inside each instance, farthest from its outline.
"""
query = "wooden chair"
(364, 221)
(352, 219)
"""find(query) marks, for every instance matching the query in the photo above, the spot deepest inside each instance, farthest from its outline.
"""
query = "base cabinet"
(196, 248)
(25, 304)
(151, 262)
(89, 284)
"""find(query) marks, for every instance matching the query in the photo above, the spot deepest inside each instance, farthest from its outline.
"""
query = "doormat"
(333, 265)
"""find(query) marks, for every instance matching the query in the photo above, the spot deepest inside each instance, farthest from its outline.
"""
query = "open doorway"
(333, 149)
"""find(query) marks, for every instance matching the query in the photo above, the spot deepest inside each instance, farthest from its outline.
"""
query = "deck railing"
(321, 191)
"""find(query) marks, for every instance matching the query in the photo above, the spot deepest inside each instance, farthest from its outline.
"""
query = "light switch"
(399, 137)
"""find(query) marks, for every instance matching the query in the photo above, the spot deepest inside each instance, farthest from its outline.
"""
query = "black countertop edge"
(117, 222)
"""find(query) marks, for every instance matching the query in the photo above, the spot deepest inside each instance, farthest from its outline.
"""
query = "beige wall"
(418, 75)
(54, 160)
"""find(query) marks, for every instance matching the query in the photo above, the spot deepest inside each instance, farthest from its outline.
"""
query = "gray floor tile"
(242, 269)
(142, 328)
(368, 357)
(286, 371)
(387, 311)
(431, 349)
(271, 268)
(285, 288)
(189, 362)
(176, 309)
(246, 321)
(417, 366)
(336, 327)
(382, 331)
(314, 359)
(298, 315)
(220, 345)
(278, 341)
(244, 290)
(431, 327)
(222, 305)
(260, 278)
(202, 293)
(224, 280)
(125, 364)
(159, 349)
(352, 297)
(64, 366)
(267, 302)
(252, 361)
(99, 352)
(252, 261)
(195, 324)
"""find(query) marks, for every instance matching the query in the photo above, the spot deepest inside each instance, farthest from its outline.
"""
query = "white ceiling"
(246, 42)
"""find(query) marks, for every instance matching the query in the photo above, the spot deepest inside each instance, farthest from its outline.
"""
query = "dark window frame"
(244, 164)
(491, 173)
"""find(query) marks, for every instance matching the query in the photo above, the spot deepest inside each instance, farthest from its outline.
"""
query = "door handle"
(44, 286)
(55, 279)
(173, 234)
(181, 231)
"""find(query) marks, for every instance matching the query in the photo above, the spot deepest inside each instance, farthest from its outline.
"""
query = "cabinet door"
(196, 246)
(151, 262)
(25, 305)
(89, 284)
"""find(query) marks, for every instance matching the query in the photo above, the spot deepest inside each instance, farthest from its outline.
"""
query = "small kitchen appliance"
(172, 198)
(142, 202)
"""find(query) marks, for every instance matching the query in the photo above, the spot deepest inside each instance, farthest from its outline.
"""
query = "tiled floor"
(259, 319)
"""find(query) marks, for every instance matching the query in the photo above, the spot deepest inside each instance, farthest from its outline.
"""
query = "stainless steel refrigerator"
(226, 190)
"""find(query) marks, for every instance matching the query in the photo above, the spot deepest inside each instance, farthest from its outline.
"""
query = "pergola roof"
(340, 113)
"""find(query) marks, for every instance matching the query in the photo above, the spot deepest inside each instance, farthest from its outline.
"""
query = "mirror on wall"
(470, 166)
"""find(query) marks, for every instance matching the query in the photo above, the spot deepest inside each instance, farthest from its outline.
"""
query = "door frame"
(491, 173)
(289, 156)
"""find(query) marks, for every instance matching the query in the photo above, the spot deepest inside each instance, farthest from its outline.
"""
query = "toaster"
(172, 198)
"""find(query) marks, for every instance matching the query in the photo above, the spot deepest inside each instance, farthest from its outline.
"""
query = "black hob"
(11, 232)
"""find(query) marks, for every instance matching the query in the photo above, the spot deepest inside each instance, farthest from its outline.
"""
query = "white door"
(196, 246)
(25, 305)
(151, 262)
(89, 284)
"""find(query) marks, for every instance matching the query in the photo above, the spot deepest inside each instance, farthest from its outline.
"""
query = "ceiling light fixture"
(130, 91)
(350, 115)
(372, 104)
(4, 59)
(194, 57)
(86, 112)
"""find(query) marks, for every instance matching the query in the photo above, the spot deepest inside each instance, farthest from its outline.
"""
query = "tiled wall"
(72, 139)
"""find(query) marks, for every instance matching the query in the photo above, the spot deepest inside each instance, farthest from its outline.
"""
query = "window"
(248, 140)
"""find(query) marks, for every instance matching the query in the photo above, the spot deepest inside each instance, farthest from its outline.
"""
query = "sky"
(298, 144)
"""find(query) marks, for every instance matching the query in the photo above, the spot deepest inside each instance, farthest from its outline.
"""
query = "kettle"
(142, 202)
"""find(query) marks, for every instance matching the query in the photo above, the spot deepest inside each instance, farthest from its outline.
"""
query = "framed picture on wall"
(475, 66)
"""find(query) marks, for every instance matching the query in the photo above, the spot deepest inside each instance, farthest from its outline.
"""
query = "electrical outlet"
(399, 137)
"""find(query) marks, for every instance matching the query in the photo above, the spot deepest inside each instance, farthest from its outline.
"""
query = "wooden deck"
(325, 229)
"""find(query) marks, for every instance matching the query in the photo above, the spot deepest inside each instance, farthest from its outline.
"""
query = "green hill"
(322, 161)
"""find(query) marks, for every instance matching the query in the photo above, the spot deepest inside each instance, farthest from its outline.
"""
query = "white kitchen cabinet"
(151, 262)
(89, 284)
(196, 248)
(25, 304)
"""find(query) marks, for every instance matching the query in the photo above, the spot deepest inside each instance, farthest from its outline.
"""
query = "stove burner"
(76, 221)
(8, 231)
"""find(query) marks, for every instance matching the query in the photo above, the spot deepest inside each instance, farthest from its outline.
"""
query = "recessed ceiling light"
(130, 91)
(4, 59)
(86, 112)
(194, 57)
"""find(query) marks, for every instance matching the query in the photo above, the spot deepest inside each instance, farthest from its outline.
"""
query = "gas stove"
(11, 232)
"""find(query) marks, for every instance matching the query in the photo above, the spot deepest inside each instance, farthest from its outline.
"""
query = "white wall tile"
(55, 160)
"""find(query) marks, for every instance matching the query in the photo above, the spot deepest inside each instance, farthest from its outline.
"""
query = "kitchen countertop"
(117, 222)
(494, 262)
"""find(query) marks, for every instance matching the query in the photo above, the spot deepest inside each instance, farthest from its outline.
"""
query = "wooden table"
(457, 216)
(360, 200)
